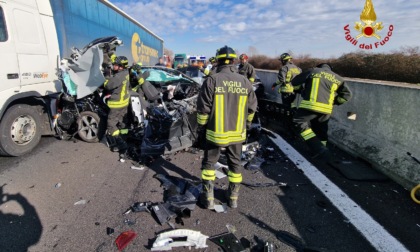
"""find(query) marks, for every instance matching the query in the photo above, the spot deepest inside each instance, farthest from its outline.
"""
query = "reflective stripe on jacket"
(322, 89)
(226, 101)
(119, 89)
(285, 76)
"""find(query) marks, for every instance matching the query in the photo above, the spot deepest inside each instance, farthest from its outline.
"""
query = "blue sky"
(269, 27)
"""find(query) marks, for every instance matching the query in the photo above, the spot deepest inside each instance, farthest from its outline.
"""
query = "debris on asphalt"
(137, 168)
(231, 228)
(220, 208)
(170, 239)
(139, 207)
(129, 222)
(179, 192)
(58, 185)
(124, 239)
(228, 242)
(80, 202)
(109, 231)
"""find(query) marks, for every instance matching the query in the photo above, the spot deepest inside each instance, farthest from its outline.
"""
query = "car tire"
(20, 130)
(88, 125)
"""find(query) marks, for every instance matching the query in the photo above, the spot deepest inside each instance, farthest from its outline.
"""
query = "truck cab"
(28, 72)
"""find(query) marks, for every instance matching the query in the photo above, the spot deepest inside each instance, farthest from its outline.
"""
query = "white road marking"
(380, 239)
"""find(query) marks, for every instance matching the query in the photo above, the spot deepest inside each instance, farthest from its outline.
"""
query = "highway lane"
(41, 190)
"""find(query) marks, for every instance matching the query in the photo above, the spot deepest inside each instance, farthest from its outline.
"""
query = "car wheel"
(20, 130)
(88, 125)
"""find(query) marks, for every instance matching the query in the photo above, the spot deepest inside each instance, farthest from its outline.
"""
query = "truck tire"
(20, 130)
(88, 125)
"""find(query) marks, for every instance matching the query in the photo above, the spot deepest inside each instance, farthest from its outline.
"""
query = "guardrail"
(381, 124)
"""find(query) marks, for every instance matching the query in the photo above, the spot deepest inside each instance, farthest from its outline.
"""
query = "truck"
(34, 36)
(179, 60)
(197, 60)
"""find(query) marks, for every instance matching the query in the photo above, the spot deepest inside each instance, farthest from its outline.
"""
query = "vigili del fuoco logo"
(368, 28)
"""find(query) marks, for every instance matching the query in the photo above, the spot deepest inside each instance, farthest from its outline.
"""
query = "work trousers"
(233, 154)
(117, 120)
(307, 119)
(287, 100)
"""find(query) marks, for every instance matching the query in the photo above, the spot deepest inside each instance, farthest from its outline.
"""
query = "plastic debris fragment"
(179, 238)
(137, 168)
(109, 231)
(80, 202)
(124, 239)
(220, 208)
(231, 228)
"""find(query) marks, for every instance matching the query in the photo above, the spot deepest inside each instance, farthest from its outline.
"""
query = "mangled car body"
(162, 113)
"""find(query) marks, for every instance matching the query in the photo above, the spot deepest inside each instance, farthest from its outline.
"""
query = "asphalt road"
(64, 195)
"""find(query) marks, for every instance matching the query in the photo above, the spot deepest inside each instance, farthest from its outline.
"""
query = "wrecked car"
(162, 113)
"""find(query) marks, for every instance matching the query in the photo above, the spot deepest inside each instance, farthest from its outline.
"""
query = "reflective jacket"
(225, 103)
(248, 71)
(285, 77)
(321, 89)
(118, 86)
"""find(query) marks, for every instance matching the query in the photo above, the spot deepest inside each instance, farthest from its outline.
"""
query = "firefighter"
(246, 69)
(118, 88)
(136, 77)
(321, 89)
(109, 57)
(211, 67)
(286, 74)
(225, 109)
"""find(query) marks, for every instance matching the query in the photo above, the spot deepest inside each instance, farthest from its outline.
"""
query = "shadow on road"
(18, 231)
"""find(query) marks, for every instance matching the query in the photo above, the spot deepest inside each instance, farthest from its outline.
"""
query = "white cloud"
(233, 28)
(262, 2)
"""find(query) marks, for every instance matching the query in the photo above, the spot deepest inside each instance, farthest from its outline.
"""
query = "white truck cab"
(28, 73)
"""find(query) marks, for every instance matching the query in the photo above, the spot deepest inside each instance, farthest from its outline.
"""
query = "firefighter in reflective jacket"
(285, 76)
(210, 68)
(321, 89)
(246, 69)
(225, 109)
(118, 87)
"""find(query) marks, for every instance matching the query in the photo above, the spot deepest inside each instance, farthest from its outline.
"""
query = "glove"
(273, 86)
(287, 88)
(339, 100)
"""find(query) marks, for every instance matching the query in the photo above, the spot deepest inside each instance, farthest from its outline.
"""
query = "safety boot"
(111, 142)
(116, 143)
(121, 144)
(233, 194)
(208, 194)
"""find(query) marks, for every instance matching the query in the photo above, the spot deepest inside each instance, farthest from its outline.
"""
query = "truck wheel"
(20, 130)
(88, 125)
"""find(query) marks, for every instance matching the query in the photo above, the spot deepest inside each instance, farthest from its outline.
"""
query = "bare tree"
(252, 51)
(168, 52)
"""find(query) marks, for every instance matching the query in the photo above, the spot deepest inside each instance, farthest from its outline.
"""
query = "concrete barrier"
(381, 124)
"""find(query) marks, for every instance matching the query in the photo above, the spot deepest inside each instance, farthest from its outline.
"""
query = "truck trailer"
(34, 36)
